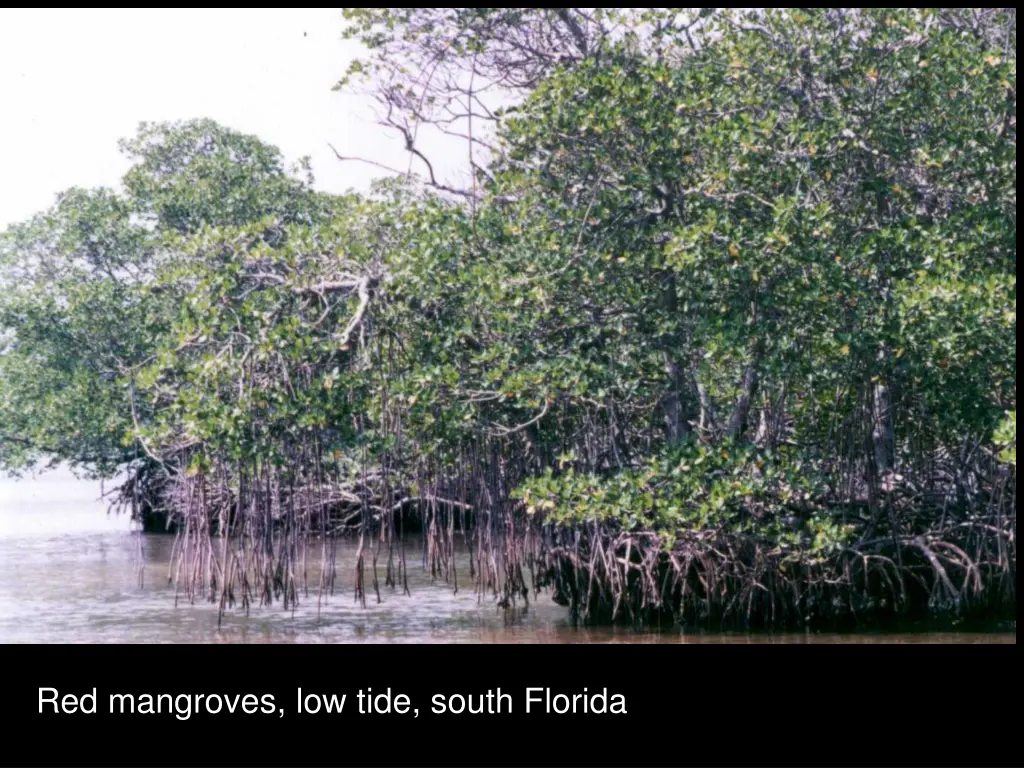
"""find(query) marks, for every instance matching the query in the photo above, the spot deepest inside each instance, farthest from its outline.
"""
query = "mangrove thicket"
(718, 326)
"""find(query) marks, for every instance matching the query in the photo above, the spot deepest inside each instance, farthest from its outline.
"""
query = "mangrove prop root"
(244, 533)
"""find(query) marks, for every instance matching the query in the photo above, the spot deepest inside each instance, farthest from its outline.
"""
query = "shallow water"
(69, 573)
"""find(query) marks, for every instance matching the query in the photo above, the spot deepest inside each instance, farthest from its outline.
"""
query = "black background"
(687, 705)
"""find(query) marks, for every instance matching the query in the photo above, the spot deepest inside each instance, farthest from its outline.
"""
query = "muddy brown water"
(69, 573)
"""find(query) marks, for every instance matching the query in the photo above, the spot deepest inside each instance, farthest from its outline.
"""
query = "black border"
(687, 705)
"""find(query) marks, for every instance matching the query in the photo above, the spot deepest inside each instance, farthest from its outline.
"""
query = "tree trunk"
(748, 386)
(672, 403)
(883, 435)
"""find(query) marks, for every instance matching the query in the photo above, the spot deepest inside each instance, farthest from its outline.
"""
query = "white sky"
(73, 82)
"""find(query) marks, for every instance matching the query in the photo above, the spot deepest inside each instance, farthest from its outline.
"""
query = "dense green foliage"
(87, 301)
(1006, 438)
(728, 283)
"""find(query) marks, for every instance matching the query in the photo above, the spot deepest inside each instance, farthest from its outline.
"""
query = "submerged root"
(257, 535)
(734, 580)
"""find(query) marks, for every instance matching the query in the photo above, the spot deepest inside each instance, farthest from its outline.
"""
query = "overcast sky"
(72, 82)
